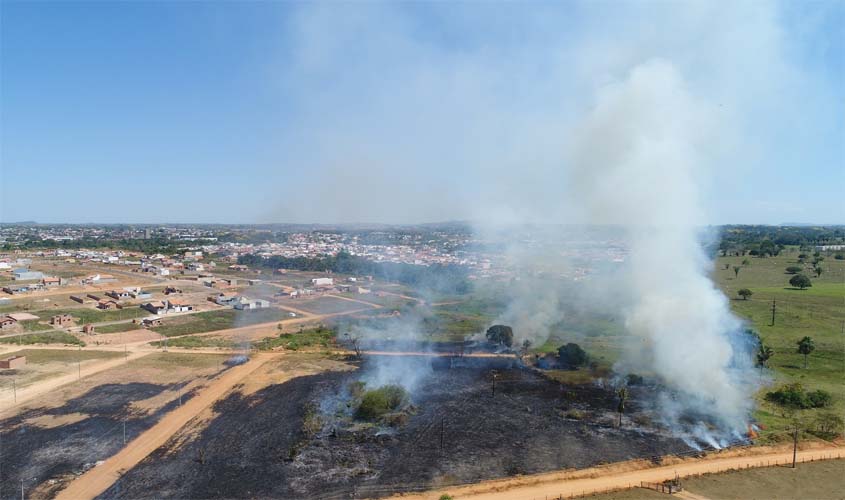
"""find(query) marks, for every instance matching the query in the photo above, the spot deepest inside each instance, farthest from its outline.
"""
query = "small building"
(107, 304)
(62, 320)
(13, 362)
(244, 303)
(178, 306)
(157, 307)
(172, 289)
(52, 282)
(77, 298)
(24, 274)
(151, 322)
(119, 294)
(322, 282)
(140, 294)
(88, 329)
(238, 267)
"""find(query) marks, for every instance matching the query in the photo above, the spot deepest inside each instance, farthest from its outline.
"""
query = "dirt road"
(98, 479)
(596, 480)
(9, 398)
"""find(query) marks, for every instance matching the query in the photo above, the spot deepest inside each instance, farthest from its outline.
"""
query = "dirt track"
(596, 480)
(98, 479)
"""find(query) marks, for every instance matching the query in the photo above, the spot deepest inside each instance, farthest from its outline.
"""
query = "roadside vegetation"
(217, 320)
(50, 337)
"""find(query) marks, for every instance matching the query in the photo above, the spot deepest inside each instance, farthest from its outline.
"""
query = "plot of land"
(42, 364)
(218, 320)
(327, 305)
(57, 435)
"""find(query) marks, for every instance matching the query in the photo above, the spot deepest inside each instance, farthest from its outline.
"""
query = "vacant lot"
(54, 437)
(46, 363)
(85, 315)
(218, 320)
(818, 312)
(47, 337)
(327, 305)
(297, 440)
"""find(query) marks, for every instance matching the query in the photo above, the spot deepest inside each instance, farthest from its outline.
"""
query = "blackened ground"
(43, 456)
(258, 447)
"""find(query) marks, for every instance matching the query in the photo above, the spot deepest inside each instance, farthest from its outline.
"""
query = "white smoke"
(639, 160)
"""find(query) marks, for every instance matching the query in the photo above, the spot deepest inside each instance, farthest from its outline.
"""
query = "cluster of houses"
(239, 302)
(167, 306)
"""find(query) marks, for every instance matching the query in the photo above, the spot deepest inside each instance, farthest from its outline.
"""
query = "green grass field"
(50, 337)
(118, 327)
(217, 320)
(817, 312)
(86, 315)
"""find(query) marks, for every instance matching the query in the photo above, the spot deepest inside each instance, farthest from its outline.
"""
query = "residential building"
(62, 320)
(23, 274)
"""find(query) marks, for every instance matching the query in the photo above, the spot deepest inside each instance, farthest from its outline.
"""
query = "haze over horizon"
(400, 113)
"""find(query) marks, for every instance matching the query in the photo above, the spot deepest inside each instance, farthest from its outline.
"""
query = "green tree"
(764, 354)
(746, 262)
(818, 270)
(805, 347)
(736, 271)
(500, 334)
(744, 293)
(800, 281)
(572, 356)
(793, 270)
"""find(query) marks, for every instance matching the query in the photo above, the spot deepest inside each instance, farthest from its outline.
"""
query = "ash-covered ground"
(295, 440)
(43, 447)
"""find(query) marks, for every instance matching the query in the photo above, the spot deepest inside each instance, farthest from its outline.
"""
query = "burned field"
(56, 437)
(299, 439)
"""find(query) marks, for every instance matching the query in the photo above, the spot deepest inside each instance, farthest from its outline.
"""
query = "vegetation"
(194, 342)
(764, 354)
(793, 396)
(50, 337)
(500, 334)
(805, 347)
(744, 293)
(318, 337)
(800, 281)
(85, 315)
(794, 269)
(118, 327)
(571, 356)
(210, 321)
(378, 402)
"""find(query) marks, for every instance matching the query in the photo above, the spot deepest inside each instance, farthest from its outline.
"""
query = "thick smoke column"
(640, 160)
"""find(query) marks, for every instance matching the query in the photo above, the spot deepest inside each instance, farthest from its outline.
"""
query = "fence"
(662, 487)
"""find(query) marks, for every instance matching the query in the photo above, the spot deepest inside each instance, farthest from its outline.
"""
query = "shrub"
(572, 356)
(634, 379)
(385, 399)
(445, 496)
(793, 270)
(839, 256)
(794, 396)
(828, 425)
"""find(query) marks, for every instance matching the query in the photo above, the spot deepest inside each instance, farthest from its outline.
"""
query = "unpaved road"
(8, 398)
(590, 481)
(99, 478)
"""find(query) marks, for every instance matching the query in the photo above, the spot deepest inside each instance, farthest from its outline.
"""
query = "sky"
(405, 112)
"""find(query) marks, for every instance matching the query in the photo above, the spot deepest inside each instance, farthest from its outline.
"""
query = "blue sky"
(400, 112)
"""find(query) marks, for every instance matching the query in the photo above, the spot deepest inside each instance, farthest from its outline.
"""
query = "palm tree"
(622, 392)
(805, 347)
(764, 354)
(736, 271)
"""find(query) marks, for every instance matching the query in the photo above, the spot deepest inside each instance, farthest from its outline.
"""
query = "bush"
(378, 402)
(793, 270)
(839, 256)
(634, 379)
(794, 396)
(828, 425)
(572, 356)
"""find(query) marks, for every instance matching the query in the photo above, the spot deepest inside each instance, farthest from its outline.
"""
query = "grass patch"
(189, 341)
(51, 337)
(118, 327)
(217, 320)
(43, 356)
(174, 360)
(295, 341)
(86, 315)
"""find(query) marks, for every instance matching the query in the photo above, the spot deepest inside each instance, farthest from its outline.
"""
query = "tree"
(800, 281)
(622, 394)
(764, 354)
(839, 256)
(793, 270)
(805, 347)
(572, 356)
(746, 262)
(744, 293)
(526, 346)
(736, 271)
(727, 265)
(500, 334)
(818, 270)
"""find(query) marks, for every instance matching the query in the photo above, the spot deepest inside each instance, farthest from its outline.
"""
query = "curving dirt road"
(590, 481)
(99, 478)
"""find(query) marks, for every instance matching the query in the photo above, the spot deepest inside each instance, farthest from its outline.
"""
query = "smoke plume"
(638, 160)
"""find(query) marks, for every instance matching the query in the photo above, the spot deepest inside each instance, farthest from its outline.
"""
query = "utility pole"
(774, 307)
(493, 380)
(794, 444)
(79, 362)
(442, 430)
(15, 389)
(124, 431)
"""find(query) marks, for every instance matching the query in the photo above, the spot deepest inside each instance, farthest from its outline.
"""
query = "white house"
(322, 281)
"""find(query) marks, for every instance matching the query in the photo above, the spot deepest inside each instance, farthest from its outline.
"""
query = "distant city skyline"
(224, 112)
